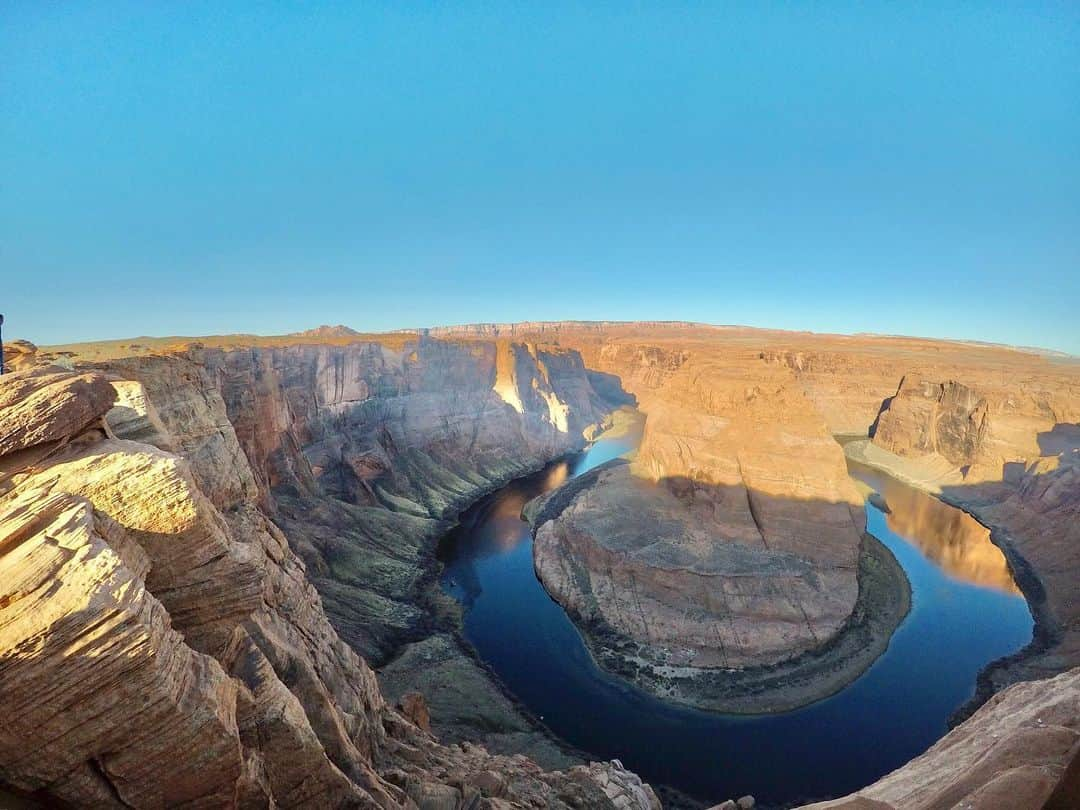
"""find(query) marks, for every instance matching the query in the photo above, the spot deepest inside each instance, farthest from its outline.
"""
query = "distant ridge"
(533, 327)
(327, 331)
(339, 334)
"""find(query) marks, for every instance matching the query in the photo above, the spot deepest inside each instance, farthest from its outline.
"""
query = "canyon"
(220, 584)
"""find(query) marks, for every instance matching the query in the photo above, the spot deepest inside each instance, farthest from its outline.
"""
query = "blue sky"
(190, 169)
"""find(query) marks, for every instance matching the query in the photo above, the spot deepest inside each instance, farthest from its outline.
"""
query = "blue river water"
(966, 612)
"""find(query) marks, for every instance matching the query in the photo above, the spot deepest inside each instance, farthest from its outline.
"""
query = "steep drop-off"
(993, 431)
(1010, 455)
(161, 641)
(362, 453)
(162, 645)
(731, 542)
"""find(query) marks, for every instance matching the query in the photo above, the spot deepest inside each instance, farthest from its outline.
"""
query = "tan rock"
(1012, 752)
(281, 712)
(415, 708)
(47, 405)
(359, 447)
(93, 673)
(19, 355)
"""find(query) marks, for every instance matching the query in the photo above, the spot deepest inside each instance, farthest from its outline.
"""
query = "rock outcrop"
(976, 430)
(197, 540)
(48, 406)
(1011, 457)
(161, 644)
(1019, 751)
(733, 539)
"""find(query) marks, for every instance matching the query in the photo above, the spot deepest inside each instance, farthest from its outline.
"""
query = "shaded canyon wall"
(162, 643)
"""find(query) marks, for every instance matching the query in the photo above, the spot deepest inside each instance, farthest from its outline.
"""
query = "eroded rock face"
(1011, 457)
(162, 645)
(664, 601)
(978, 429)
(362, 452)
(283, 464)
(733, 538)
(49, 404)
(96, 685)
(927, 417)
(1013, 752)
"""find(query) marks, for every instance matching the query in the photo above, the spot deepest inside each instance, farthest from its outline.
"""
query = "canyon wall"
(991, 429)
(162, 644)
(733, 538)
(362, 453)
(197, 541)
(1009, 454)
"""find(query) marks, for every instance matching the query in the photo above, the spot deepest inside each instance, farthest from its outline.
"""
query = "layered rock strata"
(310, 724)
(1012, 458)
(162, 645)
(732, 541)
(665, 602)
(364, 453)
(1019, 750)
(991, 429)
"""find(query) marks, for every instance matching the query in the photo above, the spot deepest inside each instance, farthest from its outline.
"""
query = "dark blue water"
(963, 616)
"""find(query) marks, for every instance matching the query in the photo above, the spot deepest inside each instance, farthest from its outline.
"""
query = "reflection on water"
(963, 616)
(491, 528)
(951, 538)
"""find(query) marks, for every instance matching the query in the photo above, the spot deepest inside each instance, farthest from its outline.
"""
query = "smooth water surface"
(966, 612)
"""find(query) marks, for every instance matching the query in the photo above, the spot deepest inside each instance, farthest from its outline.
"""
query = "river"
(966, 612)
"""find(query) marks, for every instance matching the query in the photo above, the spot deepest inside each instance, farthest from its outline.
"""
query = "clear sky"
(187, 168)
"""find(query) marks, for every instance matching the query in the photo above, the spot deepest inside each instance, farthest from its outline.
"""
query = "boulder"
(48, 405)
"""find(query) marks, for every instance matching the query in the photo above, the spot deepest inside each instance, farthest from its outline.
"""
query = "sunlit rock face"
(47, 405)
(977, 428)
(927, 417)
(1006, 448)
(160, 643)
(85, 643)
(732, 540)
(363, 451)
(160, 607)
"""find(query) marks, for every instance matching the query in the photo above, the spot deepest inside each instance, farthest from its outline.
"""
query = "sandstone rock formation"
(732, 541)
(161, 644)
(164, 522)
(48, 406)
(1013, 752)
(923, 417)
(1010, 455)
(667, 600)
(19, 355)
